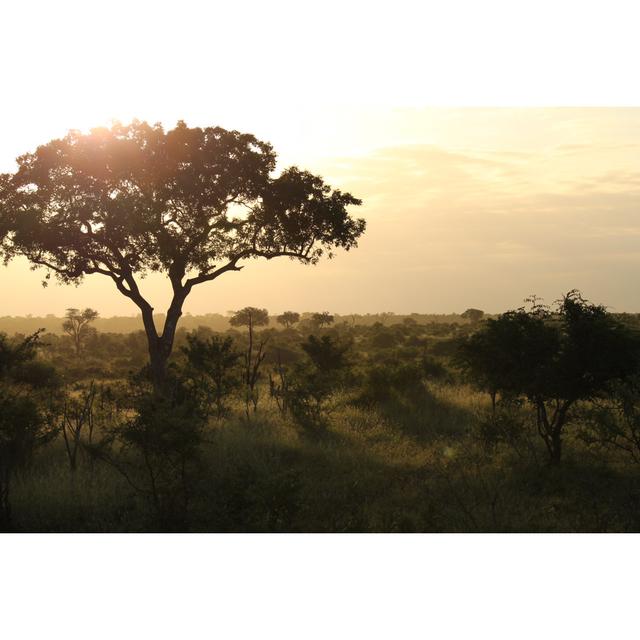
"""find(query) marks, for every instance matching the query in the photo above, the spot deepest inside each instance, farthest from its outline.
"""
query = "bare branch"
(212, 275)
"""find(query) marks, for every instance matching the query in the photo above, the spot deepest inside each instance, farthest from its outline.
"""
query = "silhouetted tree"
(328, 354)
(212, 369)
(279, 383)
(473, 315)
(313, 383)
(191, 203)
(288, 318)
(251, 317)
(322, 319)
(77, 326)
(494, 357)
(553, 359)
(77, 417)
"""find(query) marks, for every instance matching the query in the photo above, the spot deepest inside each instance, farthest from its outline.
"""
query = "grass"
(409, 465)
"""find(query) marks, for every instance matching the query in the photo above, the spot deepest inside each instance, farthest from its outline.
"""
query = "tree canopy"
(322, 318)
(288, 318)
(250, 317)
(553, 358)
(77, 325)
(134, 198)
(473, 315)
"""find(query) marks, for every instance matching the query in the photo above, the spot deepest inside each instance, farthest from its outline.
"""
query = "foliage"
(254, 354)
(384, 338)
(473, 315)
(356, 436)
(553, 359)
(322, 319)
(386, 382)
(433, 369)
(614, 423)
(132, 199)
(23, 424)
(328, 355)
(160, 446)
(77, 417)
(250, 317)
(77, 325)
(288, 318)
(212, 370)
(314, 382)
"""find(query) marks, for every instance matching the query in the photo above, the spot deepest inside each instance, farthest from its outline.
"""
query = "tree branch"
(212, 275)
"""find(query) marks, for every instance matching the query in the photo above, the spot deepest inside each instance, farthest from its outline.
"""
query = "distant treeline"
(215, 321)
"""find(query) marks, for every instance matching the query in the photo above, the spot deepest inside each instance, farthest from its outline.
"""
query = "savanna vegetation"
(526, 421)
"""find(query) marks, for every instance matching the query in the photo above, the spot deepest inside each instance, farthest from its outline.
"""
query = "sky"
(477, 190)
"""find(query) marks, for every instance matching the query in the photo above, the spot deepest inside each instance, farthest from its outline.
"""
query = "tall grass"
(410, 464)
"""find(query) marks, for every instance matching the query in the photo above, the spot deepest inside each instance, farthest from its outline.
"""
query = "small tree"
(313, 383)
(252, 317)
(279, 383)
(76, 420)
(288, 319)
(554, 359)
(77, 326)
(473, 315)
(327, 354)
(322, 319)
(497, 357)
(212, 369)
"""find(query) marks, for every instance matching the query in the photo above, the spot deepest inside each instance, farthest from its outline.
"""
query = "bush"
(159, 453)
(314, 383)
(384, 383)
(212, 370)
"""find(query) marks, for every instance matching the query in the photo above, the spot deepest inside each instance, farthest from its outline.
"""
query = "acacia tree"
(473, 315)
(252, 317)
(322, 319)
(554, 359)
(288, 318)
(192, 203)
(77, 325)
(78, 417)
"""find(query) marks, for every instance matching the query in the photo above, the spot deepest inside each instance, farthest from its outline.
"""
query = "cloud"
(571, 149)
(530, 221)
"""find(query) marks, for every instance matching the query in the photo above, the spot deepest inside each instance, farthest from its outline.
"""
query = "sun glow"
(458, 201)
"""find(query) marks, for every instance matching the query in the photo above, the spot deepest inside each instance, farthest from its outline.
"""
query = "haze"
(473, 207)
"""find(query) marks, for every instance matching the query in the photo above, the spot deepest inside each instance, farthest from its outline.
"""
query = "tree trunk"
(556, 447)
(5, 505)
(160, 347)
(560, 419)
(157, 363)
